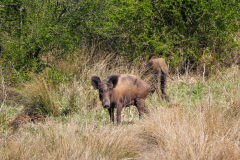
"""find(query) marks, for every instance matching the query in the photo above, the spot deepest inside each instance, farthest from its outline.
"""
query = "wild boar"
(121, 90)
(157, 69)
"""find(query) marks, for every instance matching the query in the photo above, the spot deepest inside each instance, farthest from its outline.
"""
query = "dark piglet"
(121, 90)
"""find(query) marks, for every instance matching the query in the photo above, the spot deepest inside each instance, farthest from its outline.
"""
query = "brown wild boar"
(157, 69)
(122, 90)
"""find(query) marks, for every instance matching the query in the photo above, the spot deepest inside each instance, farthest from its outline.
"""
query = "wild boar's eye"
(109, 89)
(100, 90)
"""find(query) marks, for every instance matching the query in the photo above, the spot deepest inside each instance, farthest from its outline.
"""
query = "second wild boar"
(157, 69)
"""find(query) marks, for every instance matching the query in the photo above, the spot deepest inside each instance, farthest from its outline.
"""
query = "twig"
(4, 90)
(203, 73)
(178, 74)
(187, 70)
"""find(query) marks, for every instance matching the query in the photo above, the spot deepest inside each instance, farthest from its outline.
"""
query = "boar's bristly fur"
(122, 90)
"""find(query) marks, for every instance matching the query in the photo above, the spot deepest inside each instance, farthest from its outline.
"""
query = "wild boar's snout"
(106, 104)
(105, 98)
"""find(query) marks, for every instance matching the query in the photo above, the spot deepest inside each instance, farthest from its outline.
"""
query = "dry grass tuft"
(175, 105)
(190, 135)
(38, 118)
(234, 109)
(40, 97)
(19, 121)
(169, 133)
(4, 119)
(72, 141)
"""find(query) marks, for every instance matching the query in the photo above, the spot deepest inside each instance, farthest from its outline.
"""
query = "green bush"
(34, 34)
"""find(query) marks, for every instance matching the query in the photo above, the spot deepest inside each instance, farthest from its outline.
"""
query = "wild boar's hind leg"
(158, 84)
(140, 104)
(163, 87)
(154, 82)
(111, 113)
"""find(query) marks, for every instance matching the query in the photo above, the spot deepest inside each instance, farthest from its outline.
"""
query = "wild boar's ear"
(113, 80)
(95, 80)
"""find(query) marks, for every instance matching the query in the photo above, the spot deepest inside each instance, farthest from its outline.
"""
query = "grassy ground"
(201, 121)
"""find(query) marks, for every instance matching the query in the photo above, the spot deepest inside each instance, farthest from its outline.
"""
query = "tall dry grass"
(200, 122)
(180, 134)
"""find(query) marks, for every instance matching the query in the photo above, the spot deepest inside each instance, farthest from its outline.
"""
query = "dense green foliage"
(35, 33)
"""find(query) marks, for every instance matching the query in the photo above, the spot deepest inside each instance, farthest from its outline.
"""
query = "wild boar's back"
(159, 64)
(131, 86)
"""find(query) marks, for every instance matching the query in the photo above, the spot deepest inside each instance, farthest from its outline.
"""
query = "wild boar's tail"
(168, 75)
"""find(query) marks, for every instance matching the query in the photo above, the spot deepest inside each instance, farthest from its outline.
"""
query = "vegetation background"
(49, 50)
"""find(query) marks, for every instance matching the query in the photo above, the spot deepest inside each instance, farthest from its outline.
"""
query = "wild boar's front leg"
(111, 113)
(119, 109)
